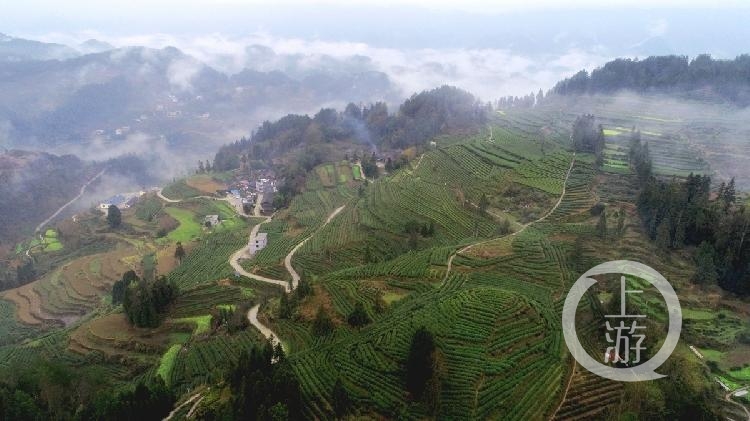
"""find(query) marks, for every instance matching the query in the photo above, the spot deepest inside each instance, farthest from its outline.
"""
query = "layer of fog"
(718, 133)
(487, 72)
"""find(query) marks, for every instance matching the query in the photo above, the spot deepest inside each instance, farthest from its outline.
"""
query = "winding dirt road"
(728, 398)
(165, 198)
(523, 227)
(62, 208)
(234, 261)
(236, 203)
(252, 317)
(184, 404)
(288, 258)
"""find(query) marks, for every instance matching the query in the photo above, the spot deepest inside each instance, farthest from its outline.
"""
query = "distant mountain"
(701, 78)
(94, 46)
(113, 93)
(33, 185)
(18, 49)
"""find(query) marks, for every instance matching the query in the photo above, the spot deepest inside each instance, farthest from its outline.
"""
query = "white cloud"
(658, 27)
(181, 73)
(488, 72)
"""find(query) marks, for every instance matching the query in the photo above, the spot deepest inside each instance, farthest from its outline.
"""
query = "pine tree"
(621, 222)
(601, 226)
(730, 195)
(420, 362)
(340, 399)
(705, 260)
(359, 317)
(483, 203)
(663, 239)
(114, 216)
(304, 289)
(322, 325)
(285, 307)
(179, 252)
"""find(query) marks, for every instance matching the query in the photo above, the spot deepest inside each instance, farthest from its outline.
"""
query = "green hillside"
(476, 238)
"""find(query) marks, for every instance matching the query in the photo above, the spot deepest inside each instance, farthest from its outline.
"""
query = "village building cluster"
(248, 188)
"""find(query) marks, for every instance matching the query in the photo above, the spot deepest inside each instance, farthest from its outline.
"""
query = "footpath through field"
(523, 227)
(236, 203)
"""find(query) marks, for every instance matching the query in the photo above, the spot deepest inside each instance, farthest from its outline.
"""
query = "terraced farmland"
(492, 298)
(71, 291)
(676, 148)
(209, 260)
(492, 371)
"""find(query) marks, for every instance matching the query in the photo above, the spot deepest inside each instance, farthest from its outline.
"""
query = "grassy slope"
(188, 228)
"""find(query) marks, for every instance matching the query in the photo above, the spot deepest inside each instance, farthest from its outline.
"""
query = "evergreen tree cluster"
(728, 80)
(425, 370)
(639, 157)
(370, 166)
(114, 216)
(54, 391)
(419, 119)
(677, 214)
(323, 323)
(359, 317)
(288, 303)
(526, 101)
(588, 137)
(144, 302)
(234, 319)
(204, 168)
(414, 229)
(264, 387)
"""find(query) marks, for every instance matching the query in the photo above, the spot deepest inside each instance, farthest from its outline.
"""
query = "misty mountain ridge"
(19, 49)
(702, 78)
(159, 92)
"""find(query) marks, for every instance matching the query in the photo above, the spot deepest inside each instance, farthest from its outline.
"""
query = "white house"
(258, 242)
(211, 219)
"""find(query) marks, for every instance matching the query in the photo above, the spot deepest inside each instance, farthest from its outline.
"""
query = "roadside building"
(258, 242)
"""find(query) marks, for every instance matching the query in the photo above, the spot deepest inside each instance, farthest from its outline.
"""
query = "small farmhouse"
(212, 220)
(258, 242)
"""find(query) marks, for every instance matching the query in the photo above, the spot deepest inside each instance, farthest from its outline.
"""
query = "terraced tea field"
(489, 283)
(677, 148)
(512, 371)
(71, 291)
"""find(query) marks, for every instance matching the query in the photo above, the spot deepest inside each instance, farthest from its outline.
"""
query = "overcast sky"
(465, 23)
